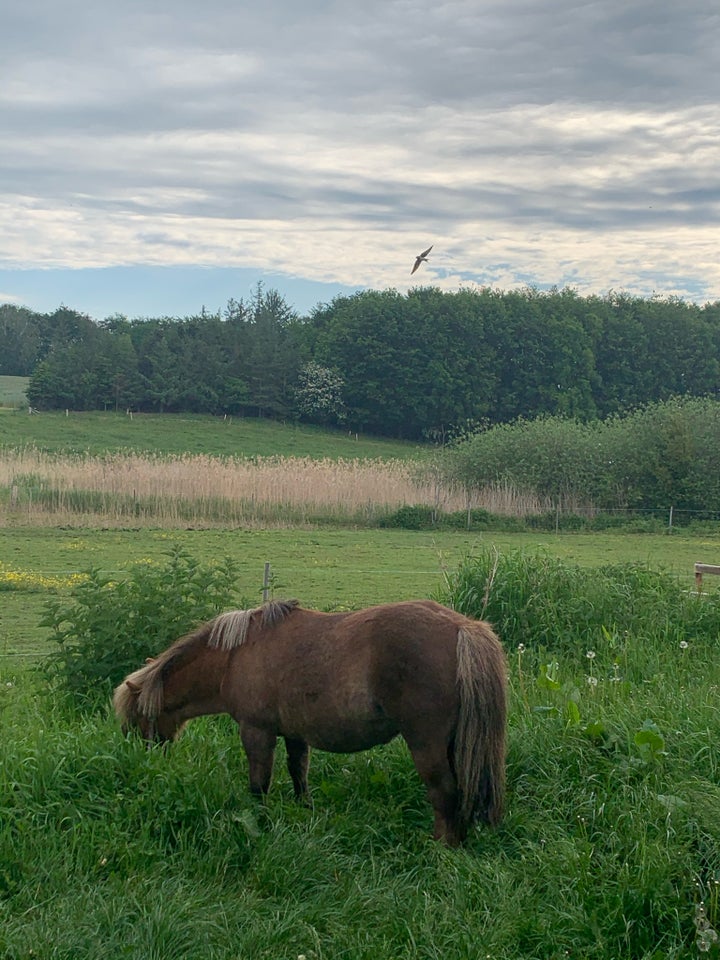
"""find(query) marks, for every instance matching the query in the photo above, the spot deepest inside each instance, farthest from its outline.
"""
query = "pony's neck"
(195, 688)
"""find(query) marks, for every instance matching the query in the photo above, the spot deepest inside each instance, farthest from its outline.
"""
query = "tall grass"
(215, 490)
(540, 600)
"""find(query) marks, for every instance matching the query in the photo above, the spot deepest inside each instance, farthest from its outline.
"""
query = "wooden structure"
(702, 568)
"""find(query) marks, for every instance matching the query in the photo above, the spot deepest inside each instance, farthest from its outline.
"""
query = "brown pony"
(343, 682)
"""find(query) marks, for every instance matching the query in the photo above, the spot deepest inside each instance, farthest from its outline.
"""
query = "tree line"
(422, 365)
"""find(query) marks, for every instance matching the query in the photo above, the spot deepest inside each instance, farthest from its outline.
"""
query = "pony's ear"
(133, 686)
(150, 659)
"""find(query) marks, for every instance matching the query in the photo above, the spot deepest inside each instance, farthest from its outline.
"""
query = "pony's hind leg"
(433, 765)
(260, 749)
(298, 759)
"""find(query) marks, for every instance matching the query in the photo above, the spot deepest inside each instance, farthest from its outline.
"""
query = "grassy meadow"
(325, 569)
(94, 433)
(610, 849)
(12, 391)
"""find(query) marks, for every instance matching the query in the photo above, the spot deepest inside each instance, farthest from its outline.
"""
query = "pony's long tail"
(479, 753)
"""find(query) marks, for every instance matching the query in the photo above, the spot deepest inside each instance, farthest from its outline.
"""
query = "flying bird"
(420, 257)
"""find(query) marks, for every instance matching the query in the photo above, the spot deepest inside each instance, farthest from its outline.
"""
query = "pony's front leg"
(298, 759)
(260, 749)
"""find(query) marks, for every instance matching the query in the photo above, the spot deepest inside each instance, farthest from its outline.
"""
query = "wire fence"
(670, 518)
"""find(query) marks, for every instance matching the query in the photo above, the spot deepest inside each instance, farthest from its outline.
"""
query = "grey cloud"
(414, 52)
(402, 115)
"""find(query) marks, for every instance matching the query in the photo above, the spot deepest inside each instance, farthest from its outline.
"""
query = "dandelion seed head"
(521, 648)
(706, 939)
(684, 644)
(592, 681)
(590, 654)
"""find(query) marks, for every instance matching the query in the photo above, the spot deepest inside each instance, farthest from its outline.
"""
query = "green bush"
(108, 627)
(476, 519)
(661, 455)
(541, 601)
(417, 517)
(608, 521)
(551, 456)
(552, 520)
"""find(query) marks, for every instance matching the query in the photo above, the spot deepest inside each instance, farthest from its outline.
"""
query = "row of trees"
(418, 365)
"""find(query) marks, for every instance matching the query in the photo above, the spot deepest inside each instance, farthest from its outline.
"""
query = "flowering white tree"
(318, 394)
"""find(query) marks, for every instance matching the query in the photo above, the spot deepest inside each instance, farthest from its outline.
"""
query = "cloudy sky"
(159, 157)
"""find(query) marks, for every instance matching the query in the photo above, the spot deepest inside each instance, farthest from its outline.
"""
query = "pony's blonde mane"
(141, 693)
(229, 630)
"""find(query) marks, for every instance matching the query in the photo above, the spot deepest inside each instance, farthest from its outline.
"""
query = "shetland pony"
(343, 682)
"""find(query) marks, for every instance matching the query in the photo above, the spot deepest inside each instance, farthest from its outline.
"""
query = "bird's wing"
(420, 257)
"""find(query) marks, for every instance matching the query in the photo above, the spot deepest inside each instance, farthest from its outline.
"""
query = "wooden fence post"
(266, 583)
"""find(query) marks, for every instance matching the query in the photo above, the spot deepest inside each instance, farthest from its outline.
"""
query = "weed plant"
(610, 849)
(107, 627)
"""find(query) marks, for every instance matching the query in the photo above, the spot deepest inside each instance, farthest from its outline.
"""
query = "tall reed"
(212, 490)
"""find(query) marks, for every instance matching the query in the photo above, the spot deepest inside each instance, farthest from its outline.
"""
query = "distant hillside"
(96, 433)
(12, 391)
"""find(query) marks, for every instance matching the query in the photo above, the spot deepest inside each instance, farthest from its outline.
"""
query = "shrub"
(550, 456)
(667, 454)
(417, 517)
(541, 601)
(552, 520)
(476, 519)
(107, 627)
(661, 455)
(608, 521)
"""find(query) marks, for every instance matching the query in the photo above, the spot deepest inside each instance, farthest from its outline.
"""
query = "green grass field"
(610, 849)
(96, 433)
(323, 568)
(12, 391)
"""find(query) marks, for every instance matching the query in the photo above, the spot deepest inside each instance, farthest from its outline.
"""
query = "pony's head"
(183, 681)
(139, 705)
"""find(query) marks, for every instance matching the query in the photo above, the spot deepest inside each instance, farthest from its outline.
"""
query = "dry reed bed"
(241, 489)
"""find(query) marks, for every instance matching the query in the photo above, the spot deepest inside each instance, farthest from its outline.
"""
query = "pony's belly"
(351, 742)
(342, 736)
(343, 720)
